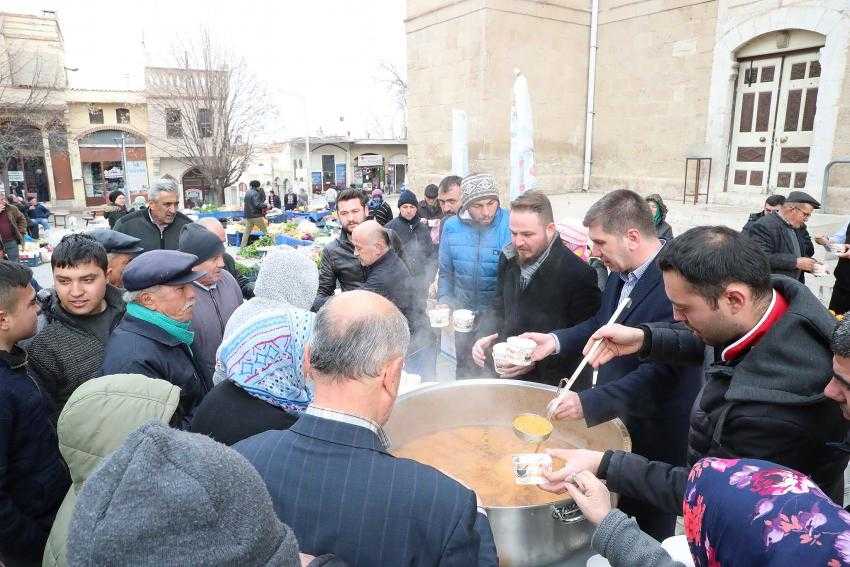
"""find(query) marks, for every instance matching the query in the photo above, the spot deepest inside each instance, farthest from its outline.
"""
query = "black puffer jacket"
(339, 263)
(64, 354)
(140, 225)
(768, 405)
(419, 250)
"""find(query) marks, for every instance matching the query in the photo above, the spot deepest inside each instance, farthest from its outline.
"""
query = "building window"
(122, 115)
(205, 123)
(173, 123)
(95, 116)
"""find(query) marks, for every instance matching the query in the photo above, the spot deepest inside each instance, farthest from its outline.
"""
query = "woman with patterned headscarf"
(260, 381)
(737, 513)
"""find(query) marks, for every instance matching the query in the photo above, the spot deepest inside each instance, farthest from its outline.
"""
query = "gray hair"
(162, 185)
(358, 347)
(133, 296)
(619, 211)
(841, 339)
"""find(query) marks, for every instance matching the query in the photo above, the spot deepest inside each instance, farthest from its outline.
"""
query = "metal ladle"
(532, 438)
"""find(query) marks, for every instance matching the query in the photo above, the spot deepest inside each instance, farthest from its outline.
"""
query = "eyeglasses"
(806, 215)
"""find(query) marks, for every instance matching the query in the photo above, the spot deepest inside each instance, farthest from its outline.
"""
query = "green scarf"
(656, 218)
(176, 329)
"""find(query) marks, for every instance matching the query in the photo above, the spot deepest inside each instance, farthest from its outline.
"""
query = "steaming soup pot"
(526, 535)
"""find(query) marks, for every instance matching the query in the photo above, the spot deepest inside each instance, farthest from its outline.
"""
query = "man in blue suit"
(653, 399)
(330, 476)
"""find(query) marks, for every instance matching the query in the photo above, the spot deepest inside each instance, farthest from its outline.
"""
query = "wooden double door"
(773, 124)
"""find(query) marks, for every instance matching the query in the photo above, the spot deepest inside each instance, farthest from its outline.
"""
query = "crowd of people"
(159, 408)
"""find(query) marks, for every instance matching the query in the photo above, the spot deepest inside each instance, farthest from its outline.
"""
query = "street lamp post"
(123, 139)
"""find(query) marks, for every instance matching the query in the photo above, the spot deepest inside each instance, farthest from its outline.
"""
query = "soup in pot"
(480, 457)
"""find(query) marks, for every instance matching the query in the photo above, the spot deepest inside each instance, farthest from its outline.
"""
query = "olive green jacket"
(95, 421)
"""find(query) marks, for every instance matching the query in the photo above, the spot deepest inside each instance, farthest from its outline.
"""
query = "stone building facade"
(760, 87)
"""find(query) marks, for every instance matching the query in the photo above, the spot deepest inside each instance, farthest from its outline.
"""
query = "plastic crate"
(289, 241)
(234, 239)
(31, 262)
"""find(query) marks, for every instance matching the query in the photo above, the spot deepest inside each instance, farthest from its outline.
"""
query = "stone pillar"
(76, 172)
(48, 165)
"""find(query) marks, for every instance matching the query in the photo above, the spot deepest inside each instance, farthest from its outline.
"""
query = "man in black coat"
(781, 236)
(420, 253)
(33, 477)
(159, 225)
(652, 398)
(542, 285)
(255, 211)
(771, 205)
(338, 262)
(154, 338)
(388, 276)
(764, 391)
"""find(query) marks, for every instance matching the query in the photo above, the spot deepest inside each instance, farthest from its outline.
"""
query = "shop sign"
(370, 161)
(114, 173)
(317, 179)
(16, 176)
(137, 175)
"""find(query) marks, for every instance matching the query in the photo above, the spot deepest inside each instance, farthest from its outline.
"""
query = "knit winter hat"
(288, 276)
(197, 240)
(167, 497)
(407, 198)
(476, 187)
(377, 193)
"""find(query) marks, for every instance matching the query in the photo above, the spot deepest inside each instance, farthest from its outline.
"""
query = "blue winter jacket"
(469, 261)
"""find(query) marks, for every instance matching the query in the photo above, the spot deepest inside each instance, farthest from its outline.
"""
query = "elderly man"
(214, 225)
(367, 507)
(217, 294)
(652, 398)
(154, 338)
(79, 314)
(159, 225)
(120, 249)
(765, 382)
(388, 276)
(13, 227)
(781, 236)
(542, 285)
(469, 260)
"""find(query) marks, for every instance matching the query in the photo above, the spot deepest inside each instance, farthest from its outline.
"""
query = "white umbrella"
(522, 139)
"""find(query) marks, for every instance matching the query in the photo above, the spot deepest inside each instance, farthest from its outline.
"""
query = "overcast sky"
(326, 50)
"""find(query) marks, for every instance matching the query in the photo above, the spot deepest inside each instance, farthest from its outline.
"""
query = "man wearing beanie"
(429, 207)
(255, 211)
(469, 259)
(168, 497)
(217, 294)
(419, 250)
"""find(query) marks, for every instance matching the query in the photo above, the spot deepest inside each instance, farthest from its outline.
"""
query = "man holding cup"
(839, 244)
(469, 262)
(541, 285)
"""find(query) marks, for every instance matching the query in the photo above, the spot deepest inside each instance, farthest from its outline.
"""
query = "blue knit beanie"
(407, 198)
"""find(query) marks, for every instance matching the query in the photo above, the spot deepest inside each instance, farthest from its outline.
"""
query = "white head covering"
(288, 276)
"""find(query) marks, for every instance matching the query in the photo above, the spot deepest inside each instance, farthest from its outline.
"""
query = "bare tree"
(31, 103)
(206, 111)
(396, 82)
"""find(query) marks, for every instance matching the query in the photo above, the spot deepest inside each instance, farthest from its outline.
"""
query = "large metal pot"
(525, 535)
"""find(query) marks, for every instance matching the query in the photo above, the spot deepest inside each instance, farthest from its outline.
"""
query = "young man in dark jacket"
(429, 207)
(782, 236)
(652, 398)
(155, 336)
(541, 285)
(255, 211)
(420, 253)
(33, 477)
(388, 276)
(764, 390)
(158, 226)
(80, 313)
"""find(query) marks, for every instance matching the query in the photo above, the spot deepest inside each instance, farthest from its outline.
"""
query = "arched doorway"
(196, 189)
(773, 125)
(110, 160)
